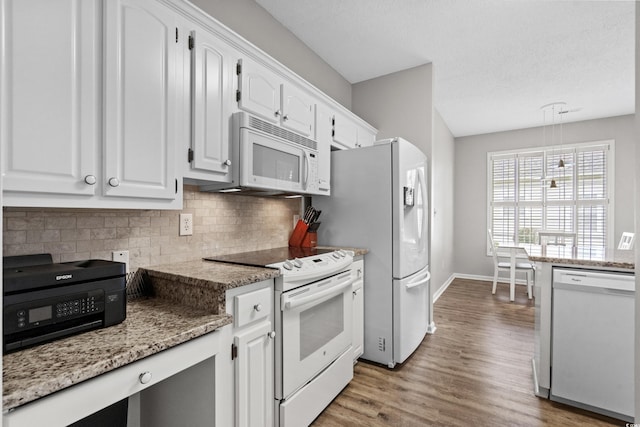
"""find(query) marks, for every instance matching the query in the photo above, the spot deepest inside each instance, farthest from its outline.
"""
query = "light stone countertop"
(202, 284)
(607, 258)
(152, 325)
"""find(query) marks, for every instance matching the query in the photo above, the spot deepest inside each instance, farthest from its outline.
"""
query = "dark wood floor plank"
(475, 370)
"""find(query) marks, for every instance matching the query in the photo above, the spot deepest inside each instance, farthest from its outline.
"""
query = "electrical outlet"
(186, 224)
(121, 256)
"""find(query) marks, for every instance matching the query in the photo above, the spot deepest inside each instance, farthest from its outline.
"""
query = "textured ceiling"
(496, 62)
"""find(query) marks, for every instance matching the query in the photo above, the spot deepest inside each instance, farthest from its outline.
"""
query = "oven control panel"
(315, 266)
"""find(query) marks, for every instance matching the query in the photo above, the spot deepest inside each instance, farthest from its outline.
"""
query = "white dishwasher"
(592, 361)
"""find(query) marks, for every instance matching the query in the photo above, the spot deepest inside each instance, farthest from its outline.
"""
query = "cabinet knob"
(90, 179)
(277, 113)
(227, 162)
(145, 377)
(114, 182)
(257, 307)
(272, 334)
(285, 117)
(356, 292)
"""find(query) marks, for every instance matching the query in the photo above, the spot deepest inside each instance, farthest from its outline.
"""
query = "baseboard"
(443, 288)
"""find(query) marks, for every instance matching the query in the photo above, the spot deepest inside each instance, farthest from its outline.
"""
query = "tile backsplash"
(222, 224)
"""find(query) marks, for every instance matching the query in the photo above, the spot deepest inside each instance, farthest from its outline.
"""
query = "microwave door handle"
(306, 172)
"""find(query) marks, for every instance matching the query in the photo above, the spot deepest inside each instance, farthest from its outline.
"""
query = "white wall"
(443, 178)
(255, 24)
(399, 104)
(471, 181)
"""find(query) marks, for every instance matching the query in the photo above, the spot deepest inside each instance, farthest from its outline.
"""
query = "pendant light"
(549, 127)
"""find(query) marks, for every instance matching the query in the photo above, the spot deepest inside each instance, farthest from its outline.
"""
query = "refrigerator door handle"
(419, 282)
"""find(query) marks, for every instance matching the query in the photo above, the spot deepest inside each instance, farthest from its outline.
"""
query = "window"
(521, 204)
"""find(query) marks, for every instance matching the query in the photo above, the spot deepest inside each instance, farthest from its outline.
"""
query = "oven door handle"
(317, 297)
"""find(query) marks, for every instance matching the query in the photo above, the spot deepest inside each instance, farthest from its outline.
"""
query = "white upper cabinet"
(265, 94)
(141, 45)
(345, 131)
(297, 110)
(49, 94)
(349, 133)
(211, 74)
(323, 128)
(259, 90)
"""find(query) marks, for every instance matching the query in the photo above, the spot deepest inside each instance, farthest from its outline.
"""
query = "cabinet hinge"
(190, 155)
(234, 351)
(333, 133)
(238, 68)
(176, 34)
(176, 185)
(191, 42)
(238, 96)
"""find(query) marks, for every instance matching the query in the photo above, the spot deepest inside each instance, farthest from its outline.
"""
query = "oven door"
(272, 164)
(316, 329)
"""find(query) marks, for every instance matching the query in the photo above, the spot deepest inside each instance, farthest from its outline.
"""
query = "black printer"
(44, 301)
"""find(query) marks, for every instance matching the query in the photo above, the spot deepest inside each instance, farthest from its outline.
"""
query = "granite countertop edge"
(583, 262)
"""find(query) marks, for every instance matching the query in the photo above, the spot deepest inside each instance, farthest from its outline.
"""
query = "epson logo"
(64, 277)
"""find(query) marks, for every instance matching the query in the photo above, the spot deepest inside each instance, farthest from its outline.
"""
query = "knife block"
(310, 240)
(298, 234)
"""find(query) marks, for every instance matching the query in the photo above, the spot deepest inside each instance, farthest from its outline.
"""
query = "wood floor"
(474, 371)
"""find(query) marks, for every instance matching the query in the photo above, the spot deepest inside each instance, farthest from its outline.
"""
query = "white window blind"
(521, 202)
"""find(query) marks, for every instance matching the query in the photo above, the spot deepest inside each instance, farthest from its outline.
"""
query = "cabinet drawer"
(252, 306)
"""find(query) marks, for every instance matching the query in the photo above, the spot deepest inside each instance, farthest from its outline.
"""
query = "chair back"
(626, 241)
(492, 246)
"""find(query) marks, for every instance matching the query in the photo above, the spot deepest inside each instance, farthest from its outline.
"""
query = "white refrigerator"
(379, 201)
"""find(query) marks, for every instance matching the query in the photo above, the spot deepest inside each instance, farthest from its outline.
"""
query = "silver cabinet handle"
(272, 334)
(227, 162)
(257, 307)
(277, 113)
(145, 377)
(90, 179)
(285, 117)
(114, 182)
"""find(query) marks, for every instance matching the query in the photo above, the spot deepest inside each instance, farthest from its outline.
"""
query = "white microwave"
(270, 160)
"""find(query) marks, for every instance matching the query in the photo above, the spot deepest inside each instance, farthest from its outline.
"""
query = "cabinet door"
(323, 129)
(358, 309)
(345, 132)
(211, 86)
(49, 92)
(141, 45)
(365, 137)
(254, 376)
(297, 110)
(259, 90)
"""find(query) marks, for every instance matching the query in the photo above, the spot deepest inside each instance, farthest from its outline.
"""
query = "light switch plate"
(186, 224)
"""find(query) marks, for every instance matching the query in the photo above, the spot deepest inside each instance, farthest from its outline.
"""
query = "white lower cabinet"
(358, 308)
(252, 353)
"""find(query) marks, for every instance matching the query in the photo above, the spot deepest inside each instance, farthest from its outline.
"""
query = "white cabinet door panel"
(254, 377)
(212, 84)
(49, 94)
(259, 91)
(297, 110)
(140, 67)
(345, 132)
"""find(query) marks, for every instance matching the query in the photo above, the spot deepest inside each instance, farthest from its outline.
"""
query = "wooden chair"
(626, 241)
(503, 260)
